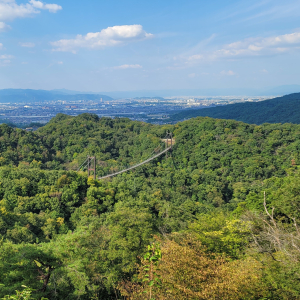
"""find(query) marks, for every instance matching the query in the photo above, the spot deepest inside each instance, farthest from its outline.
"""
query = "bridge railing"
(169, 141)
(137, 165)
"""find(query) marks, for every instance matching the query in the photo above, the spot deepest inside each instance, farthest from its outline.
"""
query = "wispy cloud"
(198, 48)
(5, 56)
(253, 47)
(110, 36)
(192, 75)
(27, 45)
(5, 59)
(228, 73)
(260, 11)
(273, 10)
(10, 10)
(196, 57)
(122, 67)
(54, 63)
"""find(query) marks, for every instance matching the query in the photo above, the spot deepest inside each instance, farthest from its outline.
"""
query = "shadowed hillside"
(284, 109)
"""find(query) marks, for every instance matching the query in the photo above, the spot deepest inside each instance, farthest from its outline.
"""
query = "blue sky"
(127, 45)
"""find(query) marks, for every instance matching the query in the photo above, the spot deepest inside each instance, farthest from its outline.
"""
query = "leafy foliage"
(187, 271)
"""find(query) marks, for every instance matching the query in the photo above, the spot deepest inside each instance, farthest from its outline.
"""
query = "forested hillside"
(284, 109)
(218, 219)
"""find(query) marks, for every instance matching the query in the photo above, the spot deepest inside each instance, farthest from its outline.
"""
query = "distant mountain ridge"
(284, 109)
(24, 95)
(198, 92)
(31, 96)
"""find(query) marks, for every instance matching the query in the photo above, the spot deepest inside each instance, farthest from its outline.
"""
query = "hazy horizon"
(275, 91)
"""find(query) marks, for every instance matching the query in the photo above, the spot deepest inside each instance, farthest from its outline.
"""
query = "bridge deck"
(137, 165)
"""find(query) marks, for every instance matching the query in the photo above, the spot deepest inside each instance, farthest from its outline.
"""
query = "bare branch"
(271, 216)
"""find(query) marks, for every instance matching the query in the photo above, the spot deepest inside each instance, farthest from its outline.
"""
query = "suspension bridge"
(90, 162)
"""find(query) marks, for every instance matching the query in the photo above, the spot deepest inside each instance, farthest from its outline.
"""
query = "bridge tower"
(169, 136)
(91, 165)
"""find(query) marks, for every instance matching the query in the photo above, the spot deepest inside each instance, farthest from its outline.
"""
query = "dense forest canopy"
(284, 109)
(196, 225)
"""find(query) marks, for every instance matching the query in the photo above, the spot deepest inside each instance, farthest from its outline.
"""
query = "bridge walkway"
(137, 165)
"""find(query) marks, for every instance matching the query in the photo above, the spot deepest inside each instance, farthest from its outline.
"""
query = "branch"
(271, 216)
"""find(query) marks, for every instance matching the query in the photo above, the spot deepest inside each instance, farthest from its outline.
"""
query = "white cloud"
(10, 10)
(40, 5)
(110, 36)
(27, 45)
(1, 46)
(259, 46)
(227, 73)
(4, 26)
(128, 67)
(253, 47)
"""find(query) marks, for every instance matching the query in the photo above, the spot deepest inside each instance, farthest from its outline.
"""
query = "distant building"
(31, 128)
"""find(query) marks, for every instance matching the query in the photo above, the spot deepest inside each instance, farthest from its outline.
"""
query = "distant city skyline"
(130, 45)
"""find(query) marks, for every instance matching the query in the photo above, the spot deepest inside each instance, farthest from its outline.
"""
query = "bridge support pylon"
(169, 136)
(91, 165)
